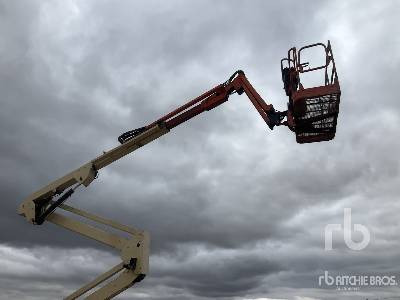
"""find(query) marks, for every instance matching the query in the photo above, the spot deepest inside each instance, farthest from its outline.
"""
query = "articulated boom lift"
(312, 115)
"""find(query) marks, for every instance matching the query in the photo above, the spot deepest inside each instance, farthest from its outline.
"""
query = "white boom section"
(134, 253)
(86, 173)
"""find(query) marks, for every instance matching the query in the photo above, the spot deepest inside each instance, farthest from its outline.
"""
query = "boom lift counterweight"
(311, 115)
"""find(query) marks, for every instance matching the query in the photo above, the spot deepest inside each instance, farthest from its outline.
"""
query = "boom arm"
(39, 205)
(312, 115)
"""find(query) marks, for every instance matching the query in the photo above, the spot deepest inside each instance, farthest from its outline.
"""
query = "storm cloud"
(234, 210)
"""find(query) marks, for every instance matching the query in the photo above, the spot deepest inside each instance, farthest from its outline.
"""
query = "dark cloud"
(233, 209)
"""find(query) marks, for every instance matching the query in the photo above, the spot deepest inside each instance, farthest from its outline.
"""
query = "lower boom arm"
(134, 253)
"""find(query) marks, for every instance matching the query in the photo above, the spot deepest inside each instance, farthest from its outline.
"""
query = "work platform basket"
(312, 112)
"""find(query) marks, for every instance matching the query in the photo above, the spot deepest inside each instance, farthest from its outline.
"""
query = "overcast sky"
(234, 210)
